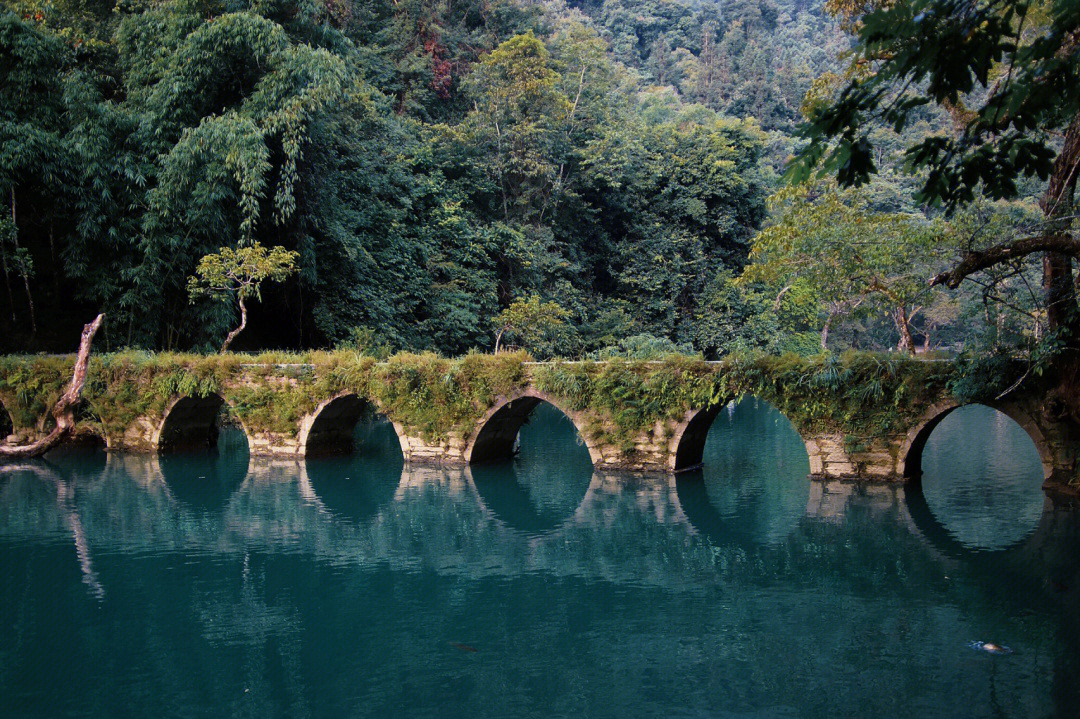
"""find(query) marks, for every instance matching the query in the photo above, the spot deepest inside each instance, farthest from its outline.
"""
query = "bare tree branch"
(64, 409)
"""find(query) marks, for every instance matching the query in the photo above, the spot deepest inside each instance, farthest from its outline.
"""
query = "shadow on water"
(752, 487)
(981, 483)
(545, 483)
(204, 480)
(353, 486)
(85, 459)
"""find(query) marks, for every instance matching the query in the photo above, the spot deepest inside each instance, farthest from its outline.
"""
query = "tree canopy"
(433, 165)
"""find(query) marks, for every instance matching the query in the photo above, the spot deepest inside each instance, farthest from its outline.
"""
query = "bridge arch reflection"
(532, 493)
(205, 481)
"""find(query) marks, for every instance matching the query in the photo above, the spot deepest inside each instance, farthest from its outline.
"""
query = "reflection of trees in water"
(982, 478)
(544, 484)
(60, 474)
(753, 484)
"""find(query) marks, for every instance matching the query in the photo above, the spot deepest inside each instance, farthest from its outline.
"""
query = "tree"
(540, 326)
(517, 117)
(1007, 73)
(832, 243)
(240, 273)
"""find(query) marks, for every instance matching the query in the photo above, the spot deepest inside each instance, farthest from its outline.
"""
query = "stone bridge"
(291, 411)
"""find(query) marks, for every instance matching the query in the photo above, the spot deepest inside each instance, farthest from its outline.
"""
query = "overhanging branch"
(980, 260)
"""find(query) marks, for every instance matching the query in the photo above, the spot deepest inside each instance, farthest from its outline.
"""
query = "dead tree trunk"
(64, 409)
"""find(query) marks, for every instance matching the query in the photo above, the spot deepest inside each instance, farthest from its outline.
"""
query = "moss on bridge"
(269, 393)
(857, 394)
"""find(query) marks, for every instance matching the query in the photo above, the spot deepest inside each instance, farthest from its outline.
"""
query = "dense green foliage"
(1005, 69)
(429, 162)
(437, 167)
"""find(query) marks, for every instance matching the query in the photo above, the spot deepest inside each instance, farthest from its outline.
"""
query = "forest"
(591, 178)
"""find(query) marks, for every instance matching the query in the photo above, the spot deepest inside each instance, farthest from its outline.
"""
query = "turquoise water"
(210, 585)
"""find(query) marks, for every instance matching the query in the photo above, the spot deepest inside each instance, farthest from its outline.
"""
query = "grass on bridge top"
(436, 396)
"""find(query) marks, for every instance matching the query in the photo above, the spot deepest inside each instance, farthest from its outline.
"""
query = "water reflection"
(355, 486)
(753, 484)
(204, 479)
(348, 587)
(982, 479)
(546, 481)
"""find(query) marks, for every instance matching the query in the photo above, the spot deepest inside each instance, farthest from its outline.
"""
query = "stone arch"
(687, 445)
(328, 429)
(911, 450)
(189, 422)
(85, 436)
(496, 432)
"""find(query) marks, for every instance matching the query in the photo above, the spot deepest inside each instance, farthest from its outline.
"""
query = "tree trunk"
(30, 300)
(22, 267)
(1055, 240)
(1062, 313)
(7, 283)
(906, 344)
(64, 409)
(243, 323)
(1056, 204)
(825, 332)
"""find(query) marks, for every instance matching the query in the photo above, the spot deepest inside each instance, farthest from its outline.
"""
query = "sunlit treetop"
(1008, 71)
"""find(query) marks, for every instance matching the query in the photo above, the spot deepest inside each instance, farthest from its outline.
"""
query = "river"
(214, 585)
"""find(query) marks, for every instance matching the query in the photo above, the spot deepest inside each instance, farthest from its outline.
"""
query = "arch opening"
(754, 417)
(749, 479)
(196, 423)
(349, 424)
(498, 436)
(979, 473)
(7, 427)
(354, 459)
(87, 434)
(548, 478)
(911, 453)
(690, 450)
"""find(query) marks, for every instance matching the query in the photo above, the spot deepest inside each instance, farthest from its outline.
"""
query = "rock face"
(668, 446)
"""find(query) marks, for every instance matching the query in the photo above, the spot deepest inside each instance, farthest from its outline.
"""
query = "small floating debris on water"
(990, 648)
(463, 647)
